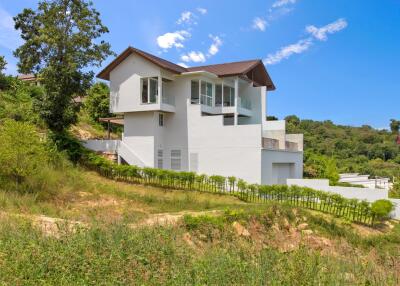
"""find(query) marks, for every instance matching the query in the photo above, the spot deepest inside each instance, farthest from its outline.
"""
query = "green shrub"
(22, 154)
(382, 208)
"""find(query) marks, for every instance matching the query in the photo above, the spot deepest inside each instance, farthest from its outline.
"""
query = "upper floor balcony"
(275, 137)
(219, 98)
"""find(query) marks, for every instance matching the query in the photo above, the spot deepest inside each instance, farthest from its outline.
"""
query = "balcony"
(270, 144)
(273, 144)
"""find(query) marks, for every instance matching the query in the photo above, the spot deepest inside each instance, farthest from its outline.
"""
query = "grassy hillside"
(356, 149)
(278, 245)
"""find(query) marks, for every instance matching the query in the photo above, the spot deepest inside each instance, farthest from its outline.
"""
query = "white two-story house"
(206, 119)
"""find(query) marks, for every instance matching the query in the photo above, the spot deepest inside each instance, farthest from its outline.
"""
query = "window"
(229, 96)
(160, 159)
(160, 119)
(175, 159)
(206, 93)
(149, 88)
(218, 94)
(194, 97)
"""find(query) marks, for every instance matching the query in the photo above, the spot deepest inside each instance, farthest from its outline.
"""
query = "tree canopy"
(3, 64)
(355, 149)
(61, 42)
(97, 101)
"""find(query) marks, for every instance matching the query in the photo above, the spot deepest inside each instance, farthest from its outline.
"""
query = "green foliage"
(119, 255)
(203, 221)
(22, 155)
(382, 208)
(355, 149)
(395, 191)
(3, 64)
(97, 102)
(17, 101)
(60, 43)
(395, 126)
(320, 166)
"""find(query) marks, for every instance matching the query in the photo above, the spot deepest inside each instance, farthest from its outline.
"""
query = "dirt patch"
(170, 218)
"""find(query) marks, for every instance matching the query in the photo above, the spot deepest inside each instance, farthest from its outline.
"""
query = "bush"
(382, 208)
(22, 154)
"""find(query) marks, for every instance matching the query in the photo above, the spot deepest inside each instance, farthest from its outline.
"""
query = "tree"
(3, 64)
(320, 166)
(61, 43)
(272, 118)
(97, 102)
(394, 126)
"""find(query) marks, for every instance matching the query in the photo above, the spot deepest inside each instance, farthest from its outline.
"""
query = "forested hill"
(355, 149)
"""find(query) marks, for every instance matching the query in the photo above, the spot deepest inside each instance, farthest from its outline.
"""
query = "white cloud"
(183, 65)
(214, 47)
(174, 39)
(9, 37)
(197, 57)
(281, 3)
(202, 10)
(186, 17)
(259, 24)
(285, 52)
(303, 45)
(321, 33)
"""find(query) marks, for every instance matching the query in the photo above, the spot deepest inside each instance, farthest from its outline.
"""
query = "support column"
(236, 114)
(160, 91)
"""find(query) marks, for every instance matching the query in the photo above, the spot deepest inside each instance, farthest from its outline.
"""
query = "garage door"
(281, 172)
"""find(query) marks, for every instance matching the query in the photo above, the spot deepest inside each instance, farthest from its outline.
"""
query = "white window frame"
(161, 119)
(160, 159)
(231, 95)
(192, 100)
(148, 79)
(208, 99)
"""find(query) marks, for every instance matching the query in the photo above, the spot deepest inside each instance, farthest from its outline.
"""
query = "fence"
(351, 209)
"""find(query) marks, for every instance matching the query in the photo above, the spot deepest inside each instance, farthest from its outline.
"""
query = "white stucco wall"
(125, 84)
(139, 134)
(347, 192)
(224, 150)
(273, 169)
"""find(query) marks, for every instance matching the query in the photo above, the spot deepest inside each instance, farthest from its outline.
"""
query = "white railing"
(245, 103)
(206, 100)
(271, 144)
(168, 99)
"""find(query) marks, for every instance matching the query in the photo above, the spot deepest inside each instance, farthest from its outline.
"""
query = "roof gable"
(251, 70)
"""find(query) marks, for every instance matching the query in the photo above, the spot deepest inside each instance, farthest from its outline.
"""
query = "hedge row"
(352, 209)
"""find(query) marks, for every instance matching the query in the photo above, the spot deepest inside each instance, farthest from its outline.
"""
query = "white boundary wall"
(367, 194)
(102, 145)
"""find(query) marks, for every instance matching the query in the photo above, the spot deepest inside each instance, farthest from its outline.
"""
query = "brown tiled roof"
(252, 70)
(27, 77)
(227, 69)
(105, 73)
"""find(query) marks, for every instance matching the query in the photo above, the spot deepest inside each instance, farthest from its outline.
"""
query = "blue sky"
(336, 60)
